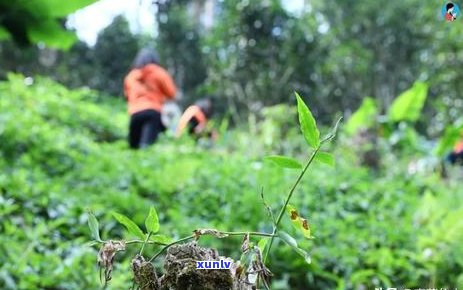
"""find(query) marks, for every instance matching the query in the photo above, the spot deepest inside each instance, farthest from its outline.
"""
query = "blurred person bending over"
(147, 87)
(456, 156)
(195, 118)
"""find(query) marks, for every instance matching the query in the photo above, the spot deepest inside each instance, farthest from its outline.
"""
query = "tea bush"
(63, 152)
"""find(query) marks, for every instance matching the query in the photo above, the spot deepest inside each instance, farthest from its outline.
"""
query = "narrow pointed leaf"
(287, 239)
(162, 239)
(131, 227)
(94, 226)
(152, 221)
(334, 131)
(308, 125)
(325, 158)
(293, 244)
(284, 162)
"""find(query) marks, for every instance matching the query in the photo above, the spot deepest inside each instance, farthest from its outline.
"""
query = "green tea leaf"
(363, 118)
(308, 125)
(284, 162)
(162, 239)
(325, 158)
(408, 105)
(293, 244)
(287, 239)
(130, 225)
(94, 226)
(262, 244)
(152, 221)
(301, 224)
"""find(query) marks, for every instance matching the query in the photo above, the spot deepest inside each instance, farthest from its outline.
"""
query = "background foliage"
(256, 52)
(38, 21)
(388, 214)
(73, 156)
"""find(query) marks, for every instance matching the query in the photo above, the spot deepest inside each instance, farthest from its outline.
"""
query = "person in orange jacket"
(456, 156)
(195, 118)
(147, 87)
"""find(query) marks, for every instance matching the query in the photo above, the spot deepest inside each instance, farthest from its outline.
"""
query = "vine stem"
(146, 241)
(133, 242)
(170, 245)
(219, 232)
(249, 233)
(288, 198)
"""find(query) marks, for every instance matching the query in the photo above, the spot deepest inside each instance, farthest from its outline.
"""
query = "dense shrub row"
(63, 152)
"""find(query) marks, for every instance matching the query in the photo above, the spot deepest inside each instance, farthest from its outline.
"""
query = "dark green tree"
(16, 59)
(180, 45)
(78, 67)
(259, 55)
(114, 52)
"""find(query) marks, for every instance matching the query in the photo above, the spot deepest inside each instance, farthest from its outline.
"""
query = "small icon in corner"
(450, 11)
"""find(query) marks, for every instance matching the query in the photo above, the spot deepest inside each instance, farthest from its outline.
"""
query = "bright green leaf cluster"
(151, 224)
(311, 134)
(364, 117)
(408, 105)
